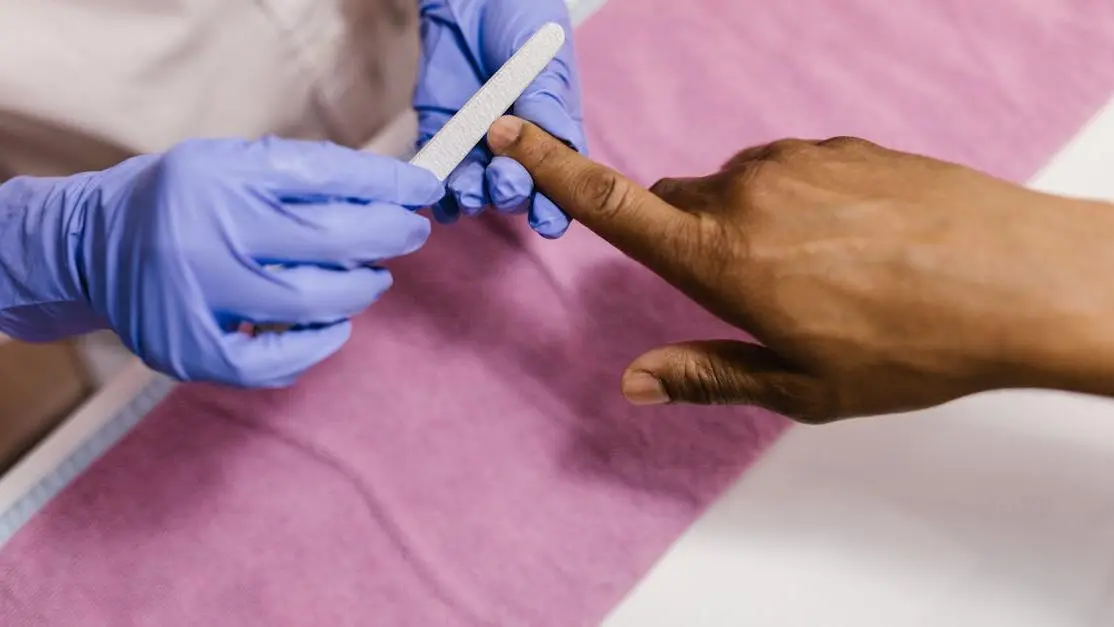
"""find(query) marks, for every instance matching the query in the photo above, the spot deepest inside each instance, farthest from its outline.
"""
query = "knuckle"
(749, 156)
(846, 142)
(548, 154)
(778, 150)
(702, 382)
(784, 149)
(756, 181)
(743, 158)
(605, 193)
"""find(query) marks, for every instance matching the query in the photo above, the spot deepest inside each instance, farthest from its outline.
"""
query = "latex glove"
(168, 251)
(463, 43)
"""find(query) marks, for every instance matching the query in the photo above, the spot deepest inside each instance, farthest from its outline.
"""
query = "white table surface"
(995, 511)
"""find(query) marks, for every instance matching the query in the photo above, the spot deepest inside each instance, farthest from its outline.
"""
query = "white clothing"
(86, 83)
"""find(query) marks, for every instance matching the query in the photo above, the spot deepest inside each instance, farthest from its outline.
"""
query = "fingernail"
(643, 388)
(503, 133)
(417, 237)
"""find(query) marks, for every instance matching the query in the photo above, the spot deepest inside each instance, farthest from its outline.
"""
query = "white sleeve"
(84, 85)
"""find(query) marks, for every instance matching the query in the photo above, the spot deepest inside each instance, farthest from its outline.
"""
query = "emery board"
(450, 146)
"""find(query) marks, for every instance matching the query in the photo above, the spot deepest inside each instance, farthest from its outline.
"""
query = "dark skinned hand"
(873, 281)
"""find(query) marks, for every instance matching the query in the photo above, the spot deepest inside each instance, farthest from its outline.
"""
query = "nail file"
(448, 148)
(451, 145)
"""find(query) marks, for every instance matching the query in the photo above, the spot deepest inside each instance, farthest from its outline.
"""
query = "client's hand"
(876, 281)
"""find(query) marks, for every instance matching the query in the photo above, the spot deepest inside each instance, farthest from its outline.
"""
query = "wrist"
(40, 287)
(1066, 340)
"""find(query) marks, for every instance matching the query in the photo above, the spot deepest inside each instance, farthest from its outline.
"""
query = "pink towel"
(467, 459)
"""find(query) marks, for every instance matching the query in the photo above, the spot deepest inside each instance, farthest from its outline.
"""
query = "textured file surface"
(448, 148)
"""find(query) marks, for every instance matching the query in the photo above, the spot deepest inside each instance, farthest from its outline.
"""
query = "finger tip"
(504, 133)
(418, 237)
(470, 206)
(547, 219)
(386, 281)
(642, 388)
(550, 230)
(508, 183)
(469, 200)
(433, 186)
(467, 188)
(435, 195)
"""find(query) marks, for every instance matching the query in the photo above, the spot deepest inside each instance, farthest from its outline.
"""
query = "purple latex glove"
(463, 43)
(174, 252)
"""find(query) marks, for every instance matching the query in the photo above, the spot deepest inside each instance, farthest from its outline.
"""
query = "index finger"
(628, 216)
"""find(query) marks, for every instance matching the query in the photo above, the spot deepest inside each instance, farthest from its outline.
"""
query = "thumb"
(726, 372)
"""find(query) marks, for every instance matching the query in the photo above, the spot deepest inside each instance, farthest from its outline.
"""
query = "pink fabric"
(467, 460)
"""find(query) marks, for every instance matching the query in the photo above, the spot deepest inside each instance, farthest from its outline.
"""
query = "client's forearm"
(1068, 342)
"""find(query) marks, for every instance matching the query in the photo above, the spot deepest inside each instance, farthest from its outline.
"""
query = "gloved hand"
(169, 252)
(463, 43)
